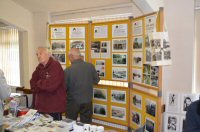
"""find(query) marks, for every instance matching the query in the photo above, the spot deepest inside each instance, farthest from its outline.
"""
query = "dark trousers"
(85, 110)
(56, 116)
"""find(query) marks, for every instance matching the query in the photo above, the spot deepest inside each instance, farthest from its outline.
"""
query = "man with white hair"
(5, 91)
(47, 85)
(80, 78)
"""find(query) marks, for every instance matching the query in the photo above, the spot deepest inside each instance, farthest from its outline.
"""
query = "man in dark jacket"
(80, 78)
(47, 85)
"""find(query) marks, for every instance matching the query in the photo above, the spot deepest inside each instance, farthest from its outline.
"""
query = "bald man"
(80, 78)
(47, 85)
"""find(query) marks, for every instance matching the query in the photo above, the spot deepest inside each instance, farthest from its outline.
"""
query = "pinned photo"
(118, 96)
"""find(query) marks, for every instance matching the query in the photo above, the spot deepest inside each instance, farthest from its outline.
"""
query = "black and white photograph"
(76, 32)
(150, 24)
(150, 125)
(137, 75)
(137, 28)
(173, 102)
(148, 55)
(137, 101)
(186, 100)
(119, 73)
(95, 49)
(79, 44)
(137, 59)
(118, 96)
(58, 45)
(147, 43)
(118, 113)
(105, 49)
(157, 56)
(119, 59)
(136, 118)
(146, 79)
(155, 43)
(154, 70)
(154, 81)
(58, 33)
(138, 43)
(61, 57)
(119, 30)
(100, 68)
(171, 123)
(167, 55)
(100, 94)
(101, 31)
(151, 107)
(146, 69)
(119, 45)
(182, 123)
(100, 110)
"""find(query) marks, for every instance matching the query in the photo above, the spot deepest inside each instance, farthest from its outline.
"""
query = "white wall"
(23, 19)
(179, 17)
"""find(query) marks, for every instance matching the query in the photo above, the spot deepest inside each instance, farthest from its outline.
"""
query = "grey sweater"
(5, 91)
(80, 78)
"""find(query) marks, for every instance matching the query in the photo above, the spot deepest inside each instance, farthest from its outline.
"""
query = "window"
(9, 55)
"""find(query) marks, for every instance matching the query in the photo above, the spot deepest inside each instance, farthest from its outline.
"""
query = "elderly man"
(79, 78)
(47, 85)
(4, 93)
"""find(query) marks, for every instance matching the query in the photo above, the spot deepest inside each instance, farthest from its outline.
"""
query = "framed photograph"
(119, 45)
(100, 94)
(118, 96)
(58, 33)
(119, 73)
(76, 32)
(79, 44)
(151, 107)
(136, 118)
(119, 59)
(173, 103)
(118, 113)
(137, 28)
(186, 100)
(182, 123)
(100, 68)
(58, 45)
(100, 110)
(119, 30)
(137, 101)
(171, 123)
(61, 57)
(137, 75)
(138, 43)
(147, 41)
(137, 59)
(150, 125)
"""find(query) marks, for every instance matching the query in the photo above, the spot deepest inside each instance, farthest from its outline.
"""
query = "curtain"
(9, 55)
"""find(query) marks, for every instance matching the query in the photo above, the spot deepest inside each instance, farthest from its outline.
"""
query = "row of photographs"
(179, 102)
(136, 119)
(118, 30)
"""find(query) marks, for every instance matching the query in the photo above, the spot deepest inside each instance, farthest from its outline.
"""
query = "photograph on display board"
(105, 49)
(146, 79)
(76, 32)
(119, 59)
(58, 45)
(137, 28)
(137, 75)
(95, 49)
(150, 24)
(118, 96)
(146, 69)
(154, 81)
(101, 31)
(61, 57)
(157, 55)
(147, 43)
(100, 68)
(151, 107)
(119, 30)
(119, 45)
(182, 123)
(137, 59)
(136, 118)
(119, 73)
(171, 123)
(148, 55)
(186, 100)
(137, 101)
(100, 110)
(79, 44)
(172, 104)
(150, 125)
(154, 70)
(138, 43)
(58, 33)
(100, 94)
(118, 113)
